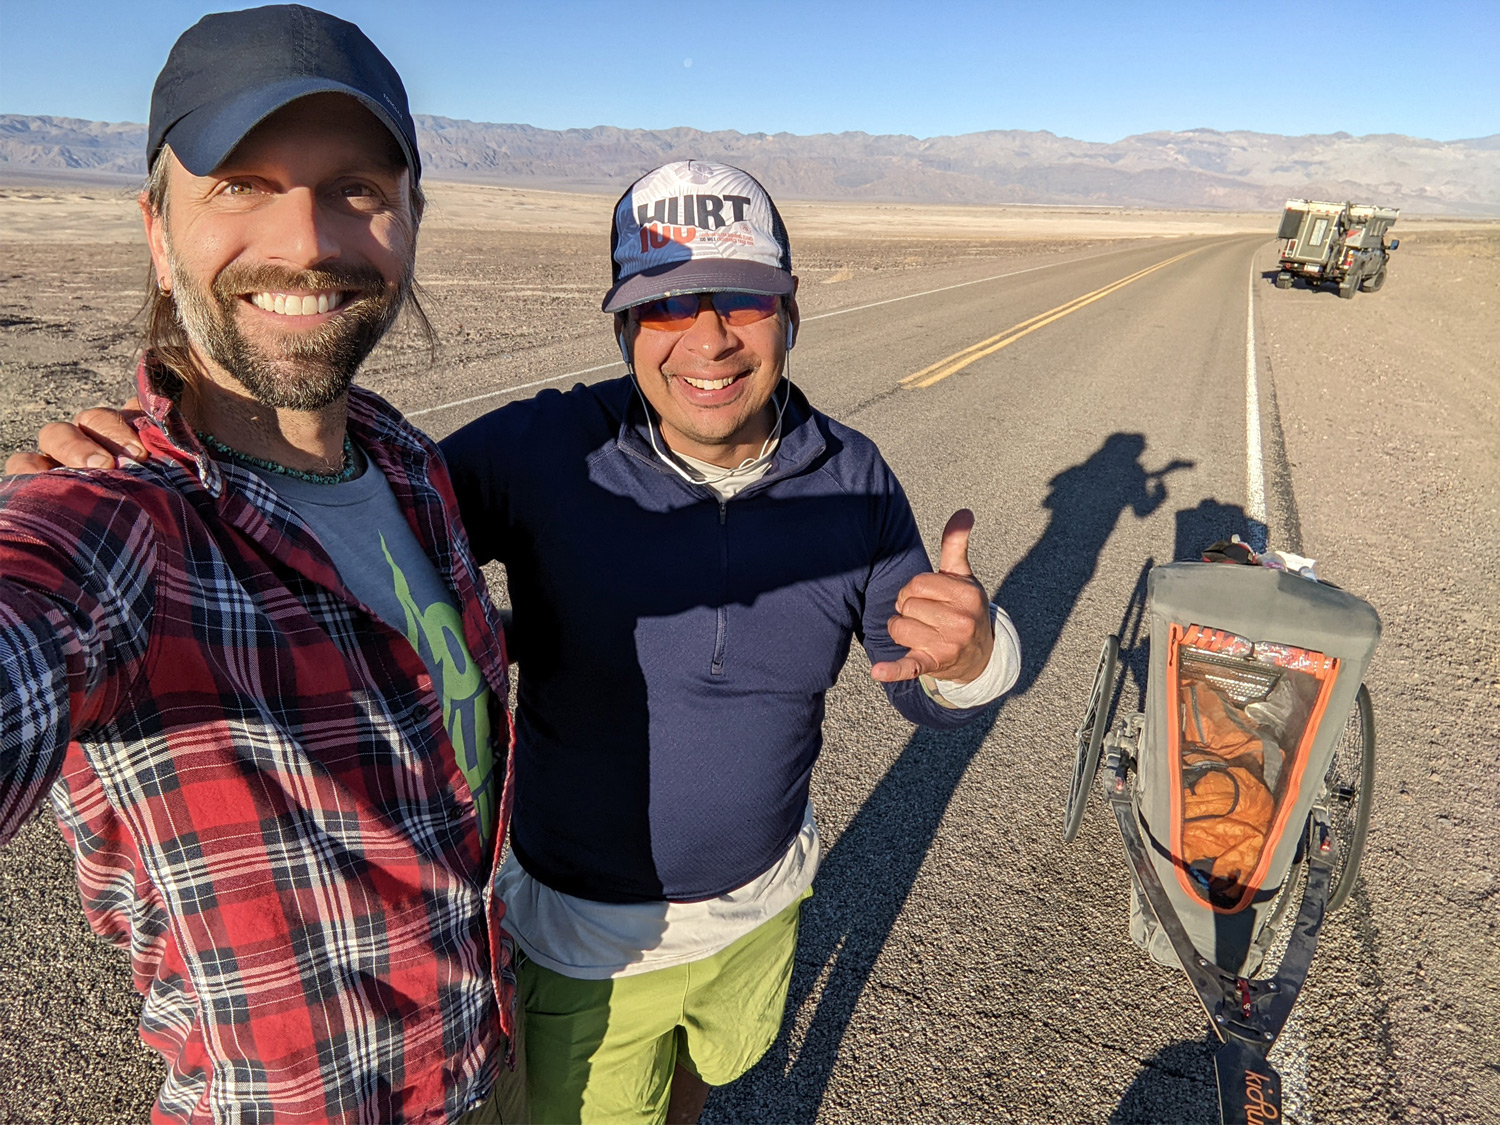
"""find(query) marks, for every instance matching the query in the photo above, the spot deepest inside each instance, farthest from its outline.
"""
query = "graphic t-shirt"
(361, 527)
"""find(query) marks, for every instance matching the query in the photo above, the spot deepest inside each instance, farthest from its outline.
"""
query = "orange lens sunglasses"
(676, 314)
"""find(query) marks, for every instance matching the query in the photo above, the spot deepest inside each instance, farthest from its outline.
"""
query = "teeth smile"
(298, 304)
(708, 384)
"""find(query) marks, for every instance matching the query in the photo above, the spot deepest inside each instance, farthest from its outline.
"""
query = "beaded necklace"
(347, 473)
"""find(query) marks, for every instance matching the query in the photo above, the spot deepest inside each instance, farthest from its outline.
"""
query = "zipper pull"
(723, 512)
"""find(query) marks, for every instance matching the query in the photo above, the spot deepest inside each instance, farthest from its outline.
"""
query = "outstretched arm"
(76, 590)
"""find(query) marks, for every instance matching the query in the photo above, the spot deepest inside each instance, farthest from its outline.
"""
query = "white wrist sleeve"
(999, 675)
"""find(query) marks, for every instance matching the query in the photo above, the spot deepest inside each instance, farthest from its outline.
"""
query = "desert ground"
(1385, 461)
(505, 268)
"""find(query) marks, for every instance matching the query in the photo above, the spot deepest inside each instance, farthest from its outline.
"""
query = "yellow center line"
(935, 373)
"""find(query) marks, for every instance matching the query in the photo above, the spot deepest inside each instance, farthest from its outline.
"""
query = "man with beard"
(257, 667)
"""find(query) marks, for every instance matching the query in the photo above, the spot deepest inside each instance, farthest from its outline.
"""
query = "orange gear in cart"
(1227, 803)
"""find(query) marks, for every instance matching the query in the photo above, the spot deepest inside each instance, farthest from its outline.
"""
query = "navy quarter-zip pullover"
(674, 650)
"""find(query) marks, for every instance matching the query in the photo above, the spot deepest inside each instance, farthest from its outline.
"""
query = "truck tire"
(1348, 286)
(1283, 280)
(1372, 284)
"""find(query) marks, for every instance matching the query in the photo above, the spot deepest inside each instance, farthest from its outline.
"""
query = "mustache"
(236, 280)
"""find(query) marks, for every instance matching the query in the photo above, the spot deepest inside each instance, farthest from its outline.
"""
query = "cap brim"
(203, 139)
(699, 275)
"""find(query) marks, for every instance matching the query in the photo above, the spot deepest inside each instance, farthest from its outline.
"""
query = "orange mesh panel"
(1244, 716)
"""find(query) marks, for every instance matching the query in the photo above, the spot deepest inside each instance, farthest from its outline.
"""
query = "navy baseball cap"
(231, 70)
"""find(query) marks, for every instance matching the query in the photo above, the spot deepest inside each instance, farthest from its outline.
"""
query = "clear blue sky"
(1092, 70)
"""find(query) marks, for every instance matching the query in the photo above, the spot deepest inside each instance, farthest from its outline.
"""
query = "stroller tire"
(1348, 790)
(1091, 737)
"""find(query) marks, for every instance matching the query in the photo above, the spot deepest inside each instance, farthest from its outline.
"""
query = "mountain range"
(1198, 168)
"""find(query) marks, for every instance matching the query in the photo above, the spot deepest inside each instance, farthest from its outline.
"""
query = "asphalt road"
(958, 961)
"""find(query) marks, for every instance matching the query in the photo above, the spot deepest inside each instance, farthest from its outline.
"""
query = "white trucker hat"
(696, 227)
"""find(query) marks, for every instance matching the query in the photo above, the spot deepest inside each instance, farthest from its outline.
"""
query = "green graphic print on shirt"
(437, 634)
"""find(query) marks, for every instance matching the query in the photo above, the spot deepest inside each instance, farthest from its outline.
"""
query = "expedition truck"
(1342, 243)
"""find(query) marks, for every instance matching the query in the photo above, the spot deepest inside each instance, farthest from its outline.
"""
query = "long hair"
(164, 341)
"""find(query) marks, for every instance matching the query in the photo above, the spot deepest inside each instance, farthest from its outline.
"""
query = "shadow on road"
(1176, 1085)
(867, 875)
(1269, 276)
(1196, 530)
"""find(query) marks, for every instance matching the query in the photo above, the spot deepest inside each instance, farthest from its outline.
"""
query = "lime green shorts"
(604, 1050)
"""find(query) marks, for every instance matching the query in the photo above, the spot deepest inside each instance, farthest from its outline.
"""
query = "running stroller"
(1247, 779)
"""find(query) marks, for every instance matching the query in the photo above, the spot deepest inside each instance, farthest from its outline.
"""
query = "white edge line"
(1255, 469)
(1291, 1060)
(1291, 1047)
(819, 316)
(945, 288)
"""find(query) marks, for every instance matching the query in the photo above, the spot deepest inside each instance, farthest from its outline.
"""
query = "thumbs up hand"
(943, 618)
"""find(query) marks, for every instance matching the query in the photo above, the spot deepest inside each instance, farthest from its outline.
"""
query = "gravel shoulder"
(1390, 406)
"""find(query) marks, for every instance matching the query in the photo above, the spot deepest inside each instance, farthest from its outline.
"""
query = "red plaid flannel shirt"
(255, 776)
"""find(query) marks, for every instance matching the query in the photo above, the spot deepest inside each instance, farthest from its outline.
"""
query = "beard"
(304, 370)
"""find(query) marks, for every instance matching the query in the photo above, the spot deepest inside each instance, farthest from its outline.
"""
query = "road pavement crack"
(859, 407)
(1279, 467)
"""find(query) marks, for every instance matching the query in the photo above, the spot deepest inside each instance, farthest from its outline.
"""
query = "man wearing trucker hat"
(690, 550)
(256, 665)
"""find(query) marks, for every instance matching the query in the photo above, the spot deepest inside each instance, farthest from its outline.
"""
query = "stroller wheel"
(1091, 737)
(1348, 789)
